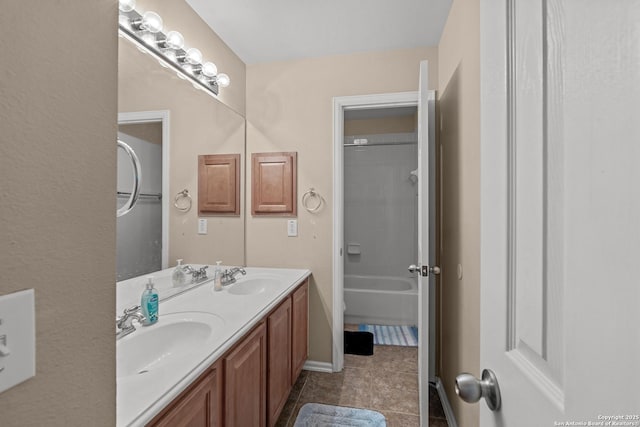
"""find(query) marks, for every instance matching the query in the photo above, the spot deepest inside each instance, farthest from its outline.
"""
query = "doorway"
(142, 234)
(424, 100)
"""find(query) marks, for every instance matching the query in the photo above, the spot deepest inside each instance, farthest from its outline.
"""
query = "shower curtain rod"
(154, 196)
(381, 143)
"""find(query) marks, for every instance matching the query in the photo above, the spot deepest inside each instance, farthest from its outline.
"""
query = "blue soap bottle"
(149, 304)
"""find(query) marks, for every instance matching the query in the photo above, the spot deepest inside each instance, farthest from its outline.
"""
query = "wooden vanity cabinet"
(278, 360)
(245, 372)
(198, 406)
(299, 329)
(250, 384)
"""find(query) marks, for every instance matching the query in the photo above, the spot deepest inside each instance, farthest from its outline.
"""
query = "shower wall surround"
(380, 205)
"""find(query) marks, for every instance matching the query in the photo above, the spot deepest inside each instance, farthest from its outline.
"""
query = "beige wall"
(149, 132)
(178, 15)
(57, 214)
(198, 124)
(289, 108)
(459, 105)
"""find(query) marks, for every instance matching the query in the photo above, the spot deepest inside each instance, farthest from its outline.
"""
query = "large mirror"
(169, 123)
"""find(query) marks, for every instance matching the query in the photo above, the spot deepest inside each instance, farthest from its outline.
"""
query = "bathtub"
(381, 300)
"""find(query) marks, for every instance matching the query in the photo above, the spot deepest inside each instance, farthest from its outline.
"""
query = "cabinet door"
(300, 329)
(219, 184)
(274, 184)
(246, 381)
(199, 406)
(279, 360)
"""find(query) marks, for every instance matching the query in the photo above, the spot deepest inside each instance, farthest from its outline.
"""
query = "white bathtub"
(381, 300)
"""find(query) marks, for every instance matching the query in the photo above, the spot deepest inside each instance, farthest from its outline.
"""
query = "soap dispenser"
(217, 277)
(149, 304)
(179, 277)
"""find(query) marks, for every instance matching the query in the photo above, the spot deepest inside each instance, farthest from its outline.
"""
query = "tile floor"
(386, 382)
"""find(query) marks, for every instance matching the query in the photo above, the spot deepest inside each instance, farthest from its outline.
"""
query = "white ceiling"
(275, 30)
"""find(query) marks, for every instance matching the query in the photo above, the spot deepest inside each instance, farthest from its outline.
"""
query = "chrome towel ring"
(137, 180)
(308, 200)
(182, 207)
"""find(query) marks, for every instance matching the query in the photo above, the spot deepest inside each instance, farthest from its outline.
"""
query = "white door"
(426, 239)
(560, 211)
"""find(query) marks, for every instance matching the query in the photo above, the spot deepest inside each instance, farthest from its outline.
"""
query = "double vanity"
(213, 358)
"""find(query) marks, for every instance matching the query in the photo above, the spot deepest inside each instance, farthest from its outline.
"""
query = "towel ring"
(308, 196)
(184, 194)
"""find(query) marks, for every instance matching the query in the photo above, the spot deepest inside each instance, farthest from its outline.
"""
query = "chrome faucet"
(124, 323)
(196, 275)
(229, 276)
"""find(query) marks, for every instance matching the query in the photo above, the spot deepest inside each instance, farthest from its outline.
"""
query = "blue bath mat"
(318, 415)
(392, 335)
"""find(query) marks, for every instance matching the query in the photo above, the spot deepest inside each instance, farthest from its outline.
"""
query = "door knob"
(424, 270)
(470, 389)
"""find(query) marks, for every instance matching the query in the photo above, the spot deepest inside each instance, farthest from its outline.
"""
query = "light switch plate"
(292, 227)
(202, 226)
(17, 338)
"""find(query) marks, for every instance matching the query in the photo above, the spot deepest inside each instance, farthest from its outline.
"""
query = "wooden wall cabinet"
(278, 360)
(198, 406)
(274, 179)
(219, 184)
(245, 372)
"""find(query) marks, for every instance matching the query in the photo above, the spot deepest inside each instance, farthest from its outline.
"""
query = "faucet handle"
(132, 310)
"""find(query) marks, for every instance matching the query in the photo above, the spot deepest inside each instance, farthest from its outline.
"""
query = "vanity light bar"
(145, 31)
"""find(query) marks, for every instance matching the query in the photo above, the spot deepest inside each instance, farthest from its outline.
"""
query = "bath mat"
(318, 415)
(360, 343)
(392, 335)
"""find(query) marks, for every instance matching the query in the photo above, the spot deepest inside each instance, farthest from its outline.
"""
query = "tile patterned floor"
(386, 382)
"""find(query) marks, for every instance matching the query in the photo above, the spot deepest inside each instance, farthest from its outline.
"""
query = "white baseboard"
(446, 406)
(312, 365)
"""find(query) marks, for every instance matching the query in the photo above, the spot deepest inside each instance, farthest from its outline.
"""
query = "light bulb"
(174, 40)
(223, 80)
(171, 55)
(124, 21)
(126, 5)
(149, 39)
(151, 22)
(209, 69)
(194, 56)
(188, 68)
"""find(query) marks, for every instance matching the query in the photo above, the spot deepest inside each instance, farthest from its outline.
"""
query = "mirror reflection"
(169, 123)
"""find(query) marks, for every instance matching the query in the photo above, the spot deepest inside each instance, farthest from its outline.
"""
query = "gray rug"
(318, 415)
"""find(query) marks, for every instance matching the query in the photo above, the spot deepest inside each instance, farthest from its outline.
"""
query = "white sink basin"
(177, 338)
(252, 286)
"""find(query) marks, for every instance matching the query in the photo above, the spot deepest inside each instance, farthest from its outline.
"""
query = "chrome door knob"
(414, 268)
(424, 270)
(470, 389)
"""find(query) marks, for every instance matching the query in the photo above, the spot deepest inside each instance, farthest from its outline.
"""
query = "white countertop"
(141, 397)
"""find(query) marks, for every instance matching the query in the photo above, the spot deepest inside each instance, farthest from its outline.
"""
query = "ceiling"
(275, 30)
